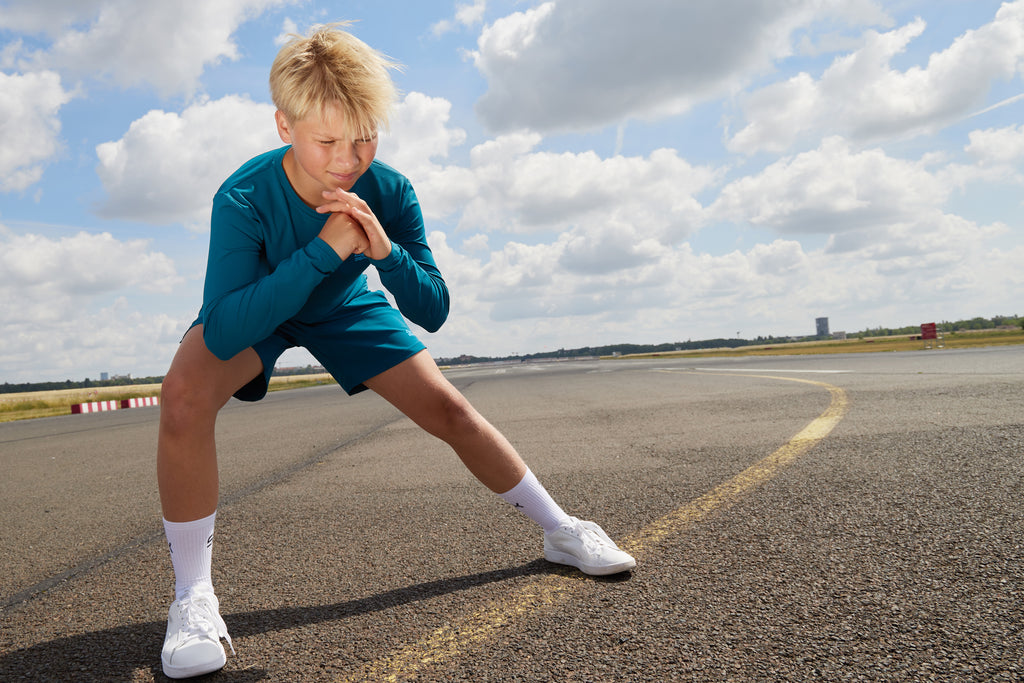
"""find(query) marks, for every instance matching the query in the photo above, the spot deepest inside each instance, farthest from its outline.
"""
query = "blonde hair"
(331, 67)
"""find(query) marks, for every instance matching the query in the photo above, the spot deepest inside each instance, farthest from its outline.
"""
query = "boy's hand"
(344, 235)
(348, 204)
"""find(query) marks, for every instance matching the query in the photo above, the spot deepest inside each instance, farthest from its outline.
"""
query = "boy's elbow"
(433, 322)
(442, 314)
(435, 325)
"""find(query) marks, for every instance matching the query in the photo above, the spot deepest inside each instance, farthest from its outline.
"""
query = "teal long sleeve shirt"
(267, 265)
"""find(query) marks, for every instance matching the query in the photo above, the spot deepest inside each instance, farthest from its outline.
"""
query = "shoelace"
(592, 542)
(198, 616)
(599, 533)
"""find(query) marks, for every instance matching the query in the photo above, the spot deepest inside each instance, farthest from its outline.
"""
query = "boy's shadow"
(121, 653)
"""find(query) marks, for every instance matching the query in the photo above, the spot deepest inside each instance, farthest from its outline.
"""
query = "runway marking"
(754, 476)
(446, 642)
(813, 372)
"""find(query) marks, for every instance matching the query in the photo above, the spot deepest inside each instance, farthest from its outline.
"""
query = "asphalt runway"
(851, 517)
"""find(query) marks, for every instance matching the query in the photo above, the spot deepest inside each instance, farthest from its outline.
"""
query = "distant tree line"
(303, 370)
(612, 350)
(690, 345)
(9, 388)
(999, 321)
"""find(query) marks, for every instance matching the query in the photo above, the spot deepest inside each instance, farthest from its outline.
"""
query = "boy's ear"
(284, 129)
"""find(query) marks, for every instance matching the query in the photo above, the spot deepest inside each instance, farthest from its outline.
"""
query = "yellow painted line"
(746, 481)
(446, 642)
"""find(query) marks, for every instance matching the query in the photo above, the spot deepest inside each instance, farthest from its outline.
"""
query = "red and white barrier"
(95, 407)
(104, 406)
(143, 402)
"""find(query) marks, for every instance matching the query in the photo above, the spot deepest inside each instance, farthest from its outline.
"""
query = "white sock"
(533, 500)
(191, 546)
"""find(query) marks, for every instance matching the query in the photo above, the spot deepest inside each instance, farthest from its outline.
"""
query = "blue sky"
(591, 172)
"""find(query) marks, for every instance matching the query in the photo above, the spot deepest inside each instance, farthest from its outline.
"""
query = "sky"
(591, 172)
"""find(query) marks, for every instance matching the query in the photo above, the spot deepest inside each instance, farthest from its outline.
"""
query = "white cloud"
(863, 97)
(466, 14)
(62, 304)
(9, 54)
(997, 145)
(509, 187)
(522, 298)
(655, 194)
(551, 285)
(288, 29)
(832, 189)
(580, 64)
(609, 248)
(116, 338)
(421, 141)
(470, 14)
(167, 166)
(875, 209)
(29, 126)
(778, 259)
(827, 44)
(47, 16)
(81, 265)
(165, 45)
(420, 135)
(614, 220)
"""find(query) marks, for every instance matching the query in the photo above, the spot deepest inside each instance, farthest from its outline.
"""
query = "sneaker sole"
(195, 669)
(559, 557)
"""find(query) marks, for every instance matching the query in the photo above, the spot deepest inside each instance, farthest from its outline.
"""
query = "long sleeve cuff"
(392, 260)
(322, 256)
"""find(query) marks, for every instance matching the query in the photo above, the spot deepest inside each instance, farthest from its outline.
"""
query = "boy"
(292, 232)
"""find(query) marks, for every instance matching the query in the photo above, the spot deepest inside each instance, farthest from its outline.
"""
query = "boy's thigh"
(419, 389)
(196, 370)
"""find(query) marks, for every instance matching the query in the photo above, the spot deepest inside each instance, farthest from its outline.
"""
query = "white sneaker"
(586, 546)
(194, 629)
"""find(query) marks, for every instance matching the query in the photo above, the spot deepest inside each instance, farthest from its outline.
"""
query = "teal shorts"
(367, 338)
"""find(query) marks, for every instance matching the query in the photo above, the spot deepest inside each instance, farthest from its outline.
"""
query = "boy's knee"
(453, 417)
(184, 401)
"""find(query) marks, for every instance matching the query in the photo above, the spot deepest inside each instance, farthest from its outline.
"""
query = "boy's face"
(324, 155)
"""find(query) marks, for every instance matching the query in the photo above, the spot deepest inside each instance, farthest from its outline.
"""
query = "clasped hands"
(352, 227)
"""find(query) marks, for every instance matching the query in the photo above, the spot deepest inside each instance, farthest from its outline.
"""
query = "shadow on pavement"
(131, 652)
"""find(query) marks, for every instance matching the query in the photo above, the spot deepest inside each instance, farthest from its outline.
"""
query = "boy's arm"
(401, 255)
(242, 302)
(410, 274)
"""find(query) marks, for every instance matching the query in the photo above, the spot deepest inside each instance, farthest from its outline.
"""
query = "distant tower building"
(822, 324)
(104, 376)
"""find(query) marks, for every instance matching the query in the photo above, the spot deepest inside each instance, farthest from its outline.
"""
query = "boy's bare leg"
(196, 387)
(419, 389)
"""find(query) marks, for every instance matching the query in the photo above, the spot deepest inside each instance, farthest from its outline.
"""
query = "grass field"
(954, 340)
(29, 405)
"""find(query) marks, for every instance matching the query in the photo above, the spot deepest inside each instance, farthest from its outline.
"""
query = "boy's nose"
(346, 156)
